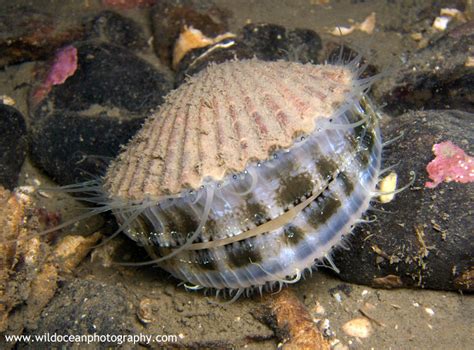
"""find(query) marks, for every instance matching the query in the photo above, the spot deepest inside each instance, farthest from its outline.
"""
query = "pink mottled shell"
(223, 118)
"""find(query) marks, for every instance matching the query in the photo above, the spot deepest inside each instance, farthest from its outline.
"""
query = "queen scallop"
(249, 173)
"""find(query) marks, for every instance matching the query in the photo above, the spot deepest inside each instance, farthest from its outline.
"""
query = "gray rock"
(81, 124)
(86, 307)
(13, 145)
(116, 29)
(426, 241)
(435, 77)
(27, 34)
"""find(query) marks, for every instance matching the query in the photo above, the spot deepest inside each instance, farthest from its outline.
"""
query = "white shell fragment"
(367, 26)
(441, 23)
(387, 187)
(358, 327)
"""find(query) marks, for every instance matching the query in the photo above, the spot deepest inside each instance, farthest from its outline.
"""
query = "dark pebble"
(27, 34)
(169, 17)
(271, 42)
(434, 81)
(13, 145)
(82, 123)
(116, 29)
(427, 241)
(86, 307)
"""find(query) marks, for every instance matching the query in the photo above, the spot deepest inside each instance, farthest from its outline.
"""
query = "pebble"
(13, 145)
(27, 34)
(114, 28)
(106, 311)
(423, 242)
(428, 81)
(271, 42)
(80, 125)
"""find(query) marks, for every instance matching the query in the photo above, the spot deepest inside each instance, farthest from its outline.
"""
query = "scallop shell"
(250, 172)
(222, 119)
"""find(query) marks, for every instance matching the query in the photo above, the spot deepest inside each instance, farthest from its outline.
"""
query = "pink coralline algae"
(450, 164)
(64, 66)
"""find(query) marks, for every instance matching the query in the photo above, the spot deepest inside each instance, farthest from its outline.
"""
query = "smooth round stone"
(13, 145)
(81, 124)
(426, 240)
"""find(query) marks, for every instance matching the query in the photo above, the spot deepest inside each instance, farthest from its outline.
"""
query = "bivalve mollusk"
(249, 173)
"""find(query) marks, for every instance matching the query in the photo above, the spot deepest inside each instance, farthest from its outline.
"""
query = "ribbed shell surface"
(223, 118)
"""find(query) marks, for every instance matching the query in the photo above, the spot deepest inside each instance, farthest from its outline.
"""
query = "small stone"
(107, 309)
(13, 145)
(79, 126)
(271, 42)
(434, 81)
(418, 253)
(387, 282)
(27, 34)
(116, 29)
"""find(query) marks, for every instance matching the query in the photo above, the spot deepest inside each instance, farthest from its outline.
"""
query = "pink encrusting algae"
(451, 164)
(63, 67)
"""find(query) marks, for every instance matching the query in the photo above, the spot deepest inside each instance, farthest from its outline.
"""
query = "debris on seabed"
(358, 327)
(145, 311)
(429, 311)
(446, 15)
(388, 282)
(319, 309)
(367, 26)
(294, 322)
(7, 100)
(387, 187)
(192, 38)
